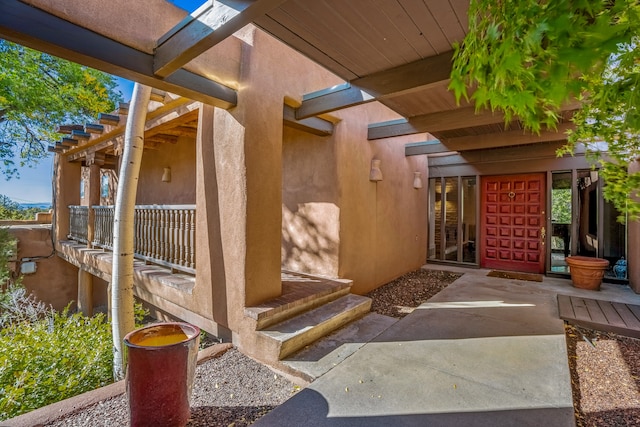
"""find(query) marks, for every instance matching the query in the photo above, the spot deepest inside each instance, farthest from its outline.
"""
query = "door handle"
(543, 234)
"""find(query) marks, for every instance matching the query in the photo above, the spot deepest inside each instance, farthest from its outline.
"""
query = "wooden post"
(94, 161)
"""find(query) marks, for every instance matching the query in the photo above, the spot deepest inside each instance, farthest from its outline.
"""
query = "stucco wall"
(310, 210)
(383, 225)
(338, 223)
(55, 280)
(181, 158)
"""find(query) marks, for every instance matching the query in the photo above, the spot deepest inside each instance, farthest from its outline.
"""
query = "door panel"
(512, 218)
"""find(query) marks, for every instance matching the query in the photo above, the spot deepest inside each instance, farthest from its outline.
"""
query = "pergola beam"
(209, 25)
(313, 125)
(37, 29)
(434, 122)
(332, 99)
(403, 79)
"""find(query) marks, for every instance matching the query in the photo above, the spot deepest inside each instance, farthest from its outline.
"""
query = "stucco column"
(633, 244)
(66, 183)
(239, 214)
(210, 266)
(85, 292)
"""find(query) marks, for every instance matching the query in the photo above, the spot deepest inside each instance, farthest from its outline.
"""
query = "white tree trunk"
(122, 319)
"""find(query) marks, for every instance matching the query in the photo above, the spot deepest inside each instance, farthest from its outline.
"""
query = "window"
(452, 219)
(104, 186)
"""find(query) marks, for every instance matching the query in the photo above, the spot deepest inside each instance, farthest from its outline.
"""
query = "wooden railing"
(163, 234)
(78, 222)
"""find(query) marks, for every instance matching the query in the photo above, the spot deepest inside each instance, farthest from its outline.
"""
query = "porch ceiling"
(395, 51)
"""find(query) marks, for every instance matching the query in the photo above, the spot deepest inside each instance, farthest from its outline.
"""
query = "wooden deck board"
(626, 315)
(623, 319)
(594, 311)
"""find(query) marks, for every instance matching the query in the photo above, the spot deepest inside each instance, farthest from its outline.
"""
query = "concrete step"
(318, 358)
(300, 293)
(303, 329)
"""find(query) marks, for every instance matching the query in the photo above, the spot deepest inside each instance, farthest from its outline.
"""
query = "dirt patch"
(401, 296)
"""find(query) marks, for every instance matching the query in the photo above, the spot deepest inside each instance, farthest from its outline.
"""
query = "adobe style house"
(298, 155)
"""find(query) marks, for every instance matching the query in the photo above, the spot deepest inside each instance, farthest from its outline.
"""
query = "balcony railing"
(163, 234)
(78, 223)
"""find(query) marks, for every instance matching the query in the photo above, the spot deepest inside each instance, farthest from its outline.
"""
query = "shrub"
(60, 356)
(16, 306)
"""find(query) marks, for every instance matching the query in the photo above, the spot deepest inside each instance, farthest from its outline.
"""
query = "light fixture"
(417, 180)
(375, 174)
(166, 175)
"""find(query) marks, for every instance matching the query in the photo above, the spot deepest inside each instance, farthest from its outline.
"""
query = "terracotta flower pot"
(587, 272)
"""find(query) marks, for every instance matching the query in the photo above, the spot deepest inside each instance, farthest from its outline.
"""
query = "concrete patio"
(483, 352)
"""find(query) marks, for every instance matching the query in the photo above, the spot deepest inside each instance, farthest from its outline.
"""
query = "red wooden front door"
(512, 218)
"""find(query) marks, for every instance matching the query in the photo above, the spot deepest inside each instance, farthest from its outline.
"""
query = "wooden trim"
(425, 147)
(408, 77)
(104, 140)
(313, 125)
(514, 166)
(403, 79)
(505, 139)
(435, 122)
(208, 26)
(37, 29)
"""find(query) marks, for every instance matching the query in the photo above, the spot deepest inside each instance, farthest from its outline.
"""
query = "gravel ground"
(605, 377)
(234, 390)
(229, 390)
(401, 296)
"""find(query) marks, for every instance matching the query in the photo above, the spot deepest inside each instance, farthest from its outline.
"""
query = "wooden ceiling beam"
(506, 138)
(487, 141)
(313, 125)
(333, 99)
(435, 122)
(37, 29)
(209, 25)
(399, 80)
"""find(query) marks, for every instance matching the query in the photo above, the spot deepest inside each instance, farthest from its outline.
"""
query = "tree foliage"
(530, 59)
(12, 210)
(38, 92)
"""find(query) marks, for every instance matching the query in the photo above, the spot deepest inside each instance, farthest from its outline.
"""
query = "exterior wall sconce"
(375, 174)
(417, 180)
(166, 175)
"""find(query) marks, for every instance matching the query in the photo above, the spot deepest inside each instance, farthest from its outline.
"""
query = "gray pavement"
(483, 352)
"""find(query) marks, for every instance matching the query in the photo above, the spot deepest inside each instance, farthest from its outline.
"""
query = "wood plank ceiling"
(395, 51)
(398, 52)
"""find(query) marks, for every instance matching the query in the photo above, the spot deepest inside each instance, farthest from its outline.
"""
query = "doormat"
(515, 275)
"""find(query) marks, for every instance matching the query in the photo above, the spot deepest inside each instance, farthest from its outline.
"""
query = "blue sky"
(34, 184)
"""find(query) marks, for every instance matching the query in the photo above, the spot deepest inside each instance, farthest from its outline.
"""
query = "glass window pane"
(469, 219)
(588, 194)
(560, 221)
(615, 241)
(451, 212)
(435, 205)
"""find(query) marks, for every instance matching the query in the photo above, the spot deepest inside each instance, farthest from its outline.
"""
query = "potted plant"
(587, 272)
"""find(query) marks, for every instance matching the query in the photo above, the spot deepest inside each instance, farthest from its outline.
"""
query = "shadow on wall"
(310, 238)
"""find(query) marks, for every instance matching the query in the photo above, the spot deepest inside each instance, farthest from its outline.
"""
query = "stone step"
(299, 331)
(300, 293)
